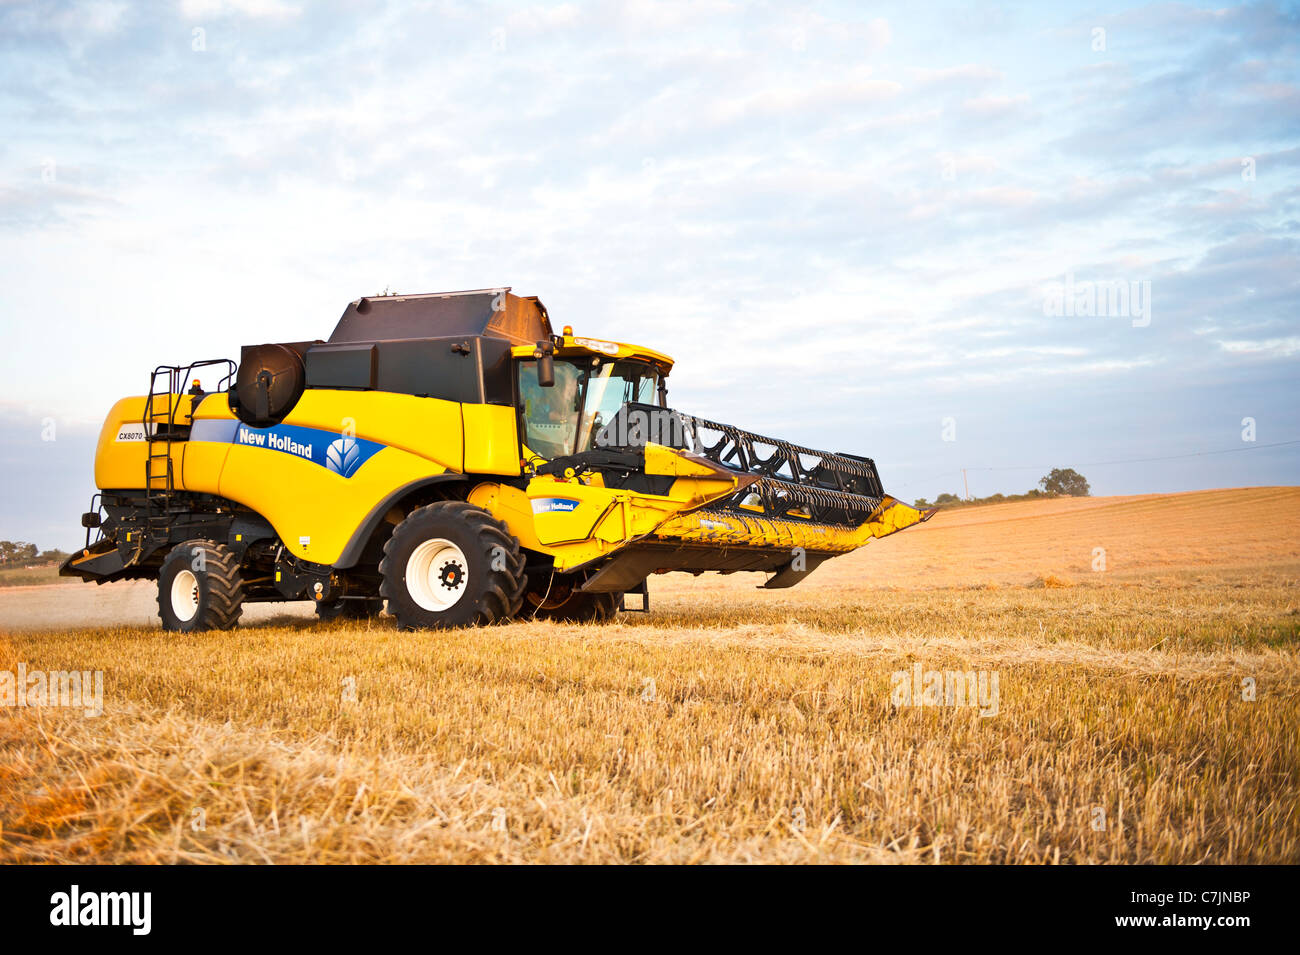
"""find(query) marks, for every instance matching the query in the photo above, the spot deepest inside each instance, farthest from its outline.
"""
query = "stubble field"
(1146, 712)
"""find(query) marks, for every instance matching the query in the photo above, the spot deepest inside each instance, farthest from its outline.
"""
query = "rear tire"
(200, 588)
(451, 564)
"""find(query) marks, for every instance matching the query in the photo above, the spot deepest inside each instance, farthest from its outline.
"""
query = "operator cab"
(565, 418)
(592, 381)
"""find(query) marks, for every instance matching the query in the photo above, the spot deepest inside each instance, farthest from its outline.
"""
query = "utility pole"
(966, 483)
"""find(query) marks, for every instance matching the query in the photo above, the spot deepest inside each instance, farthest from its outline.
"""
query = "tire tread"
(501, 598)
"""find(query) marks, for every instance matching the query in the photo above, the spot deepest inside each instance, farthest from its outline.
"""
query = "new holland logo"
(545, 505)
(341, 454)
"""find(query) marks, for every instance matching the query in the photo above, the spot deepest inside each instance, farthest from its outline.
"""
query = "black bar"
(924, 907)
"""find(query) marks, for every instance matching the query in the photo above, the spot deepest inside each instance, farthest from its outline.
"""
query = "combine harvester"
(451, 455)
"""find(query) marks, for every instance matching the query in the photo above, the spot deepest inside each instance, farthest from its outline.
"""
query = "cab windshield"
(587, 394)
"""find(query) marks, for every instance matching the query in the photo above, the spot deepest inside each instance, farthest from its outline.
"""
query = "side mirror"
(545, 355)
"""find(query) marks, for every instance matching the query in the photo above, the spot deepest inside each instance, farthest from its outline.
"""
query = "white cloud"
(99, 17)
(995, 105)
(254, 9)
(543, 17)
(1268, 348)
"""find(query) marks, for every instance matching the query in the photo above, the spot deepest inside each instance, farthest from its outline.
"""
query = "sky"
(998, 237)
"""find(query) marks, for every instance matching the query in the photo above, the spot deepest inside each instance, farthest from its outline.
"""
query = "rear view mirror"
(544, 353)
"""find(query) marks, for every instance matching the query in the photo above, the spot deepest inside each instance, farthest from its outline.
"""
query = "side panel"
(204, 456)
(313, 508)
(121, 451)
(565, 513)
(318, 474)
(428, 427)
(491, 439)
(514, 507)
(573, 522)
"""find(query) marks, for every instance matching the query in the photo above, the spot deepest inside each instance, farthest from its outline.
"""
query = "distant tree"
(20, 552)
(13, 551)
(947, 499)
(54, 556)
(922, 502)
(1065, 481)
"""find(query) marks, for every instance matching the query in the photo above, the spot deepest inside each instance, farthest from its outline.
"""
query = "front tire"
(451, 564)
(200, 588)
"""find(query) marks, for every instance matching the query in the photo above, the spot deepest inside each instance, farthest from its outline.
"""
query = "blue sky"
(845, 221)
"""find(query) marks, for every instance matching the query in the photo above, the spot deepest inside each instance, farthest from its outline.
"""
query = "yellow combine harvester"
(451, 455)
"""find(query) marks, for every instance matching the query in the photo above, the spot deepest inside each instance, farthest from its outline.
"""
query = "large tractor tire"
(452, 564)
(560, 599)
(349, 609)
(200, 588)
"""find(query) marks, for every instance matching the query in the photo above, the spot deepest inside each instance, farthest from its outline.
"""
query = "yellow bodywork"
(756, 530)
(575, 521)
(315, 510)
(340, 458)
(572, 345)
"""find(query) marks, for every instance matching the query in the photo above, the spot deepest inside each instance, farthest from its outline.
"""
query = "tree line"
(1059, 482)
(21, 553)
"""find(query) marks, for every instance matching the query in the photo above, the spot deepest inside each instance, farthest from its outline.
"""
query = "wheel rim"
(185, 596)
(437, 575)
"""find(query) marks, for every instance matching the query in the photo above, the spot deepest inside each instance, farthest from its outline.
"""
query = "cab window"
(610, 385)
(587, 395)
(550, 414)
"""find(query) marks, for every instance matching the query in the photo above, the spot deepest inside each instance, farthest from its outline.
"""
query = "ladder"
(167, 385)
(159, 477)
